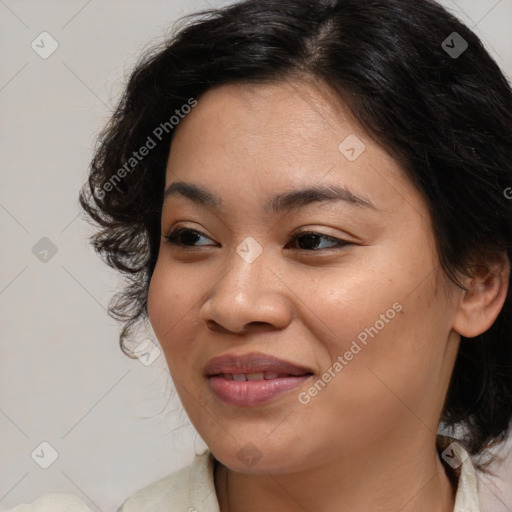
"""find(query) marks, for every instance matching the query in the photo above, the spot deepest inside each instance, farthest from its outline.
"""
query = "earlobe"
(481, 303)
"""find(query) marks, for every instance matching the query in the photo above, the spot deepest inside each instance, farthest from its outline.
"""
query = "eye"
(310, 239)
(184, 237)
(307, 240)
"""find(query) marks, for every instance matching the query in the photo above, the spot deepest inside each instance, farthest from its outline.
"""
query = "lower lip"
(253, 392)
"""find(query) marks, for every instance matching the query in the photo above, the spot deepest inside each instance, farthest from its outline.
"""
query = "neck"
(407, 477)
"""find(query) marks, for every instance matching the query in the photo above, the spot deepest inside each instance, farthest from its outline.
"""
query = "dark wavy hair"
(446, 118)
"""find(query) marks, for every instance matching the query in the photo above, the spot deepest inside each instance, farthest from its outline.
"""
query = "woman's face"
(361, 310)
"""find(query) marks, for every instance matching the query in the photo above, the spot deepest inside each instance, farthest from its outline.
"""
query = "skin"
(367, 440)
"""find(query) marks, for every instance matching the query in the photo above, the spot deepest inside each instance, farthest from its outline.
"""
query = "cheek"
(391, 359)
(158, 302)
(173, 309)
(391, 319)
(392, 348)
(351, 305)
(170, 299)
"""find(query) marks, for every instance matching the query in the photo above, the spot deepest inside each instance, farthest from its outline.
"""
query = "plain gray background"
(114, 424)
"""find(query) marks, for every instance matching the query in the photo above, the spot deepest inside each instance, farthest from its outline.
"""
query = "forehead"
(259, 139)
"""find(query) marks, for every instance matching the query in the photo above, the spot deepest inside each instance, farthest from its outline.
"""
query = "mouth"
(253, 379)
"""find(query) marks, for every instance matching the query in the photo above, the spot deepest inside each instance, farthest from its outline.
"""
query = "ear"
(481, 303)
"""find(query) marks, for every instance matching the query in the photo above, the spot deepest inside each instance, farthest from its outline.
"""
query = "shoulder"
(53, 503)
(187, 490)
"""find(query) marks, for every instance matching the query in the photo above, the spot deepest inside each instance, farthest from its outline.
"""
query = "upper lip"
(254, 362)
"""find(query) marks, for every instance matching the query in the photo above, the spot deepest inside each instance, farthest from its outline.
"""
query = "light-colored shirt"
(192, 489)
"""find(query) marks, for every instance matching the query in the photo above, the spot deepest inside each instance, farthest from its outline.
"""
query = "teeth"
(241, 377)
(255, 376)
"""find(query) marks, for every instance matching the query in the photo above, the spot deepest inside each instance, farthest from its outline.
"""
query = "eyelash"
(173, 239)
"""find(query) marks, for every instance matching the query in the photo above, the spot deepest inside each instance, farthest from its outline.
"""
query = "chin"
(259, 458)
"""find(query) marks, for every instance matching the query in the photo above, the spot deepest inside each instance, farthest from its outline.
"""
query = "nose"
(247, 294)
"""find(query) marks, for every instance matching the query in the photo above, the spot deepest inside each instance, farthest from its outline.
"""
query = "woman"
(318, 373)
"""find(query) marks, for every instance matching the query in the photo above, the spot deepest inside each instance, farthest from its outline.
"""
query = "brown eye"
(184, 237)
(309, 241)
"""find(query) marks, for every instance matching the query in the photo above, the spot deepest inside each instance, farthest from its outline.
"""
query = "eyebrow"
(283, 202)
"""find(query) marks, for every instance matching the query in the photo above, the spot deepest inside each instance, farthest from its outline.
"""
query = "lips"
(253, 363)
(253, 379)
